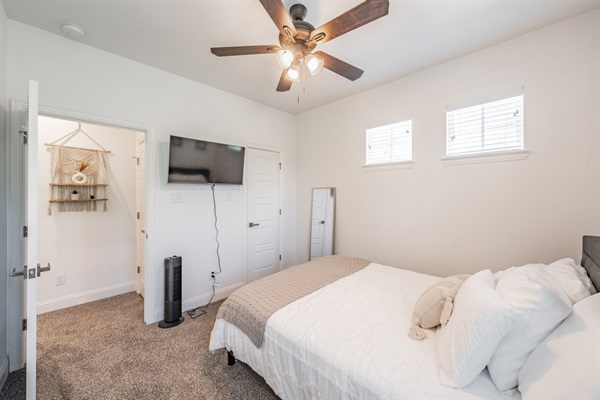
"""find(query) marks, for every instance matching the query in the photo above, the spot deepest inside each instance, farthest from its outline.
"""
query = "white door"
(31, 241)
(141, 213)
(262, 184)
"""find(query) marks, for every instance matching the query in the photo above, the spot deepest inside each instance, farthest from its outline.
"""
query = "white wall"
(448, 219)
(3, 259)
(82, 79)
(96, 250)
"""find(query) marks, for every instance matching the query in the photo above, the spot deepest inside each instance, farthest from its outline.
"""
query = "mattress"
(349, 340)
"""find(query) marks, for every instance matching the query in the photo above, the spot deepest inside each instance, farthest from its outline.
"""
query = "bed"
(345, 337)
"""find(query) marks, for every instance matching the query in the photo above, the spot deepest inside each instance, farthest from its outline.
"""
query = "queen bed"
(345, 336)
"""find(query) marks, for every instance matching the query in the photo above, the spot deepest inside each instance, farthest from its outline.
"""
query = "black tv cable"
(201, 310)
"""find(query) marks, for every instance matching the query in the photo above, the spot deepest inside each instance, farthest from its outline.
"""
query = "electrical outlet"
(214, 278)
(176, 197)
(60, 279)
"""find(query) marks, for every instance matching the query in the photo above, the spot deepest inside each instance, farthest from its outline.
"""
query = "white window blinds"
(389, 143)
(483, 128)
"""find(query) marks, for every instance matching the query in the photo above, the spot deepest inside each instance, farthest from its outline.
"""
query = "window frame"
(490, 155)
(401, 164)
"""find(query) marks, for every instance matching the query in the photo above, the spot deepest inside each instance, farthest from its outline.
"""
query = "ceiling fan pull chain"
(303, 77)
(301, 80)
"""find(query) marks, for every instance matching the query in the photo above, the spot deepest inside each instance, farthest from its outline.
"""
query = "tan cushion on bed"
(427, 312)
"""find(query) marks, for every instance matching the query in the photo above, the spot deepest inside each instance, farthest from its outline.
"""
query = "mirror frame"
(334, 196)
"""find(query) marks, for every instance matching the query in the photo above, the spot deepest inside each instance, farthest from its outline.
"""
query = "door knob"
(252, 224)
(322, 222)
(15, 273)
(32, 273)
(44, 269)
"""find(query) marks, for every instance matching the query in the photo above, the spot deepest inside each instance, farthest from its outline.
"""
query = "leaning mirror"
(322, 222)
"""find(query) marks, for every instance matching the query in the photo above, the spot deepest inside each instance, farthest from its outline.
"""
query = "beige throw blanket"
(250, 306)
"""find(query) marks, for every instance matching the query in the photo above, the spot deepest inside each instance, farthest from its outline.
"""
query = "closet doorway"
(95, 239)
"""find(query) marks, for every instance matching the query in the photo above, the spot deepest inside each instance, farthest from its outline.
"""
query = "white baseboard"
(85, 297)
(197, 301)
(3, 372)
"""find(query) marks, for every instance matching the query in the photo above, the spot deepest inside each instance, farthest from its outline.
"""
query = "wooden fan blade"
(360, 15)
(243, 50)
(340, 67)
(280, 16)
(284, 83)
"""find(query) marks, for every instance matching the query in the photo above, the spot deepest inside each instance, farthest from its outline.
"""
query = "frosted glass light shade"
(284, 58)
(314, 63)
(293, 73)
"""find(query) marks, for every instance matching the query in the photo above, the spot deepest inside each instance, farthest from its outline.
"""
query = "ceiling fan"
(298, 39)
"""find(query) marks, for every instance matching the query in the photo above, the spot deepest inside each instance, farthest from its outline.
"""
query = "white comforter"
(349, 340)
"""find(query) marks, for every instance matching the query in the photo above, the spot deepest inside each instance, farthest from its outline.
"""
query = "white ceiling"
(176, 36)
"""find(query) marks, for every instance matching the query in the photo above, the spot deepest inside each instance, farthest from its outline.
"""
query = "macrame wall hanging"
(78, 178)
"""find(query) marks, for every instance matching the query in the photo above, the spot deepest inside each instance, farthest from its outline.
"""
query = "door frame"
(15, 220)
(256, 146)
(140, 282)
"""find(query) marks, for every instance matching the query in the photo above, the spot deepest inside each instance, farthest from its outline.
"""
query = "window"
(389, 143)
(485, 128)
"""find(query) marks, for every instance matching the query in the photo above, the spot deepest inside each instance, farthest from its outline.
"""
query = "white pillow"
(573, 279)
(481, 317)
(566, 365)
(500, 274)
(543, 305)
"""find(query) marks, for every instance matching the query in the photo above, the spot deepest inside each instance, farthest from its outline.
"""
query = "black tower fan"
(172, 293)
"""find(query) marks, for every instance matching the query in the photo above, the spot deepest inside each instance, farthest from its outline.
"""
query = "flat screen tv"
(203, 162)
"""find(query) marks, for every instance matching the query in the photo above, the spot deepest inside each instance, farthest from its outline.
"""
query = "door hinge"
(280, 257)
(138, 215)
(25, 231)
(280, 211)
(25, 324)
(138, 269)
(137, 160)
(279, 165)
(24, 133)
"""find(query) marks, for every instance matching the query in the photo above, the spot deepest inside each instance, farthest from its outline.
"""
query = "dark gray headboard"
(590, 259)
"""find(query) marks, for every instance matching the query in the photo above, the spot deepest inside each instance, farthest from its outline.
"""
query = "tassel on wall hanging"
(78, 175)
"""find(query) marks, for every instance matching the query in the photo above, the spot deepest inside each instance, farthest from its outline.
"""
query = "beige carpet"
(103, 350)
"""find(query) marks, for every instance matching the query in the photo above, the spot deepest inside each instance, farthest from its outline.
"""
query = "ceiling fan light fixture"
(293, 73)
(314, 63)
(284, 58)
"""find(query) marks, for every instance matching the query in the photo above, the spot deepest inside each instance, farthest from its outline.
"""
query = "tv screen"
(199, 161)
